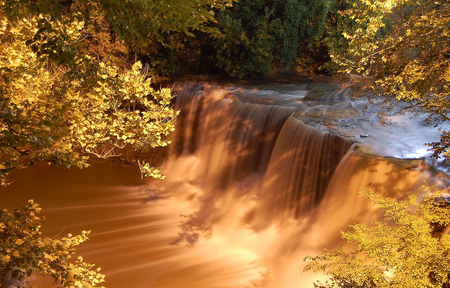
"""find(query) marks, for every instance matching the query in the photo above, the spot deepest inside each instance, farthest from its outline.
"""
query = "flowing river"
(257, 178)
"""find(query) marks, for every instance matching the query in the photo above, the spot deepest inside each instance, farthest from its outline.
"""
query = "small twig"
(59, 233)
(56, 20)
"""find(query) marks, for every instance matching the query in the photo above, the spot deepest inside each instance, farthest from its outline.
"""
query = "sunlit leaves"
(24, 250)
(50, 113)
(405, 250)
(139, 23)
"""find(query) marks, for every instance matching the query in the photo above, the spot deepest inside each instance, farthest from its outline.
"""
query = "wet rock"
(442, 201)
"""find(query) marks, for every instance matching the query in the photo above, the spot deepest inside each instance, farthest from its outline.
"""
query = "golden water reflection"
(130, 235)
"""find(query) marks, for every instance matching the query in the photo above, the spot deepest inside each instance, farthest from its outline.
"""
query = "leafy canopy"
(254, 38)
(137, 22)
(62, 112)
(397, 50)
(404, 250)
(24, 250)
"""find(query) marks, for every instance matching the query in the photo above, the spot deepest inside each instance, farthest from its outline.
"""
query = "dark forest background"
(252, 38)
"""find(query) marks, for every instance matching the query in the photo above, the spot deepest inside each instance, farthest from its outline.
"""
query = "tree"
(24, 250)
(260, 36)
(246, 43)
(62, 100)
(250, 39)
(137, 22)
(397, 51)
(62, 112)
(404, 250)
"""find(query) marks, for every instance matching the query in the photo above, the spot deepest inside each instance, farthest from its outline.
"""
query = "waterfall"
(232, 139)
(259, 186)
(263, 170)
(359, 170)
(284, 169)
(302, 163)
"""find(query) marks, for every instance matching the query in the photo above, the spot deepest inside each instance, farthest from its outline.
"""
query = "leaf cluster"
(136, 21)
(62, 113)
(404, 250)
(24, 250)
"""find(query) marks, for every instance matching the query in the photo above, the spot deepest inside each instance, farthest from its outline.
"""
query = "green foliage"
(24, 250)
(260, 36)
(397, 51)
(245, 47)
(305, 24)
(252, 38)
(273, 34)
(114, 31)
(137, 22)
(401, 251)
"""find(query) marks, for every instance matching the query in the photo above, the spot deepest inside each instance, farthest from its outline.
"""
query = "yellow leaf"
(19, 242)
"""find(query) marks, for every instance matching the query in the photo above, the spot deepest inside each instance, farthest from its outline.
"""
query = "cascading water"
(258, 186)
(310, 182)
(301, 166)
(232, 139)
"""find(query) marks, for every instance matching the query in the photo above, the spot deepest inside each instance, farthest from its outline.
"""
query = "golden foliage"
(24, 250)
(99, 41)
(54, 113)
(402, 251)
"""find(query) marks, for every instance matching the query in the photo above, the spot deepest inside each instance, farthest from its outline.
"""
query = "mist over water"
(256, 180)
